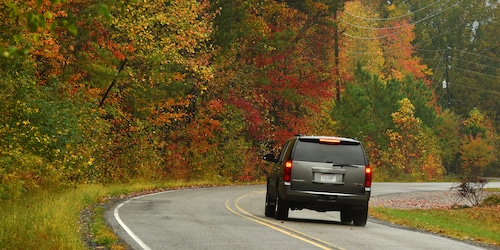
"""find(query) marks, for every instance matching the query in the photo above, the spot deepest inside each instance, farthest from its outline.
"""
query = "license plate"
(331, 178)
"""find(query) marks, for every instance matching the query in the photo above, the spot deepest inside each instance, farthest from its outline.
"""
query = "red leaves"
(252, 114)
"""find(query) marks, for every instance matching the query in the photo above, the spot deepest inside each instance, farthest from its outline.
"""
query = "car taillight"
(368, 176)
(331, 141)
(287, 173)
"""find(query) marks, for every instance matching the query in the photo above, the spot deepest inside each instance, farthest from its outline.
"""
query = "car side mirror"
(270, 157)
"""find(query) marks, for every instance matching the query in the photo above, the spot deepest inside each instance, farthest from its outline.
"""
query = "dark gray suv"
(321, 173)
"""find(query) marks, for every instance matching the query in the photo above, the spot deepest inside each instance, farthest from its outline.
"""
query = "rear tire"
(360, 217)
(346, 216)
(282, 208)
(270, 210)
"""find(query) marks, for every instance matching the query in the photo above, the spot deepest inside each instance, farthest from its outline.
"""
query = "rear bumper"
(324, 201)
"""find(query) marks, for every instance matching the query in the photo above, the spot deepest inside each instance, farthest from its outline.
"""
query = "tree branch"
(112, 84)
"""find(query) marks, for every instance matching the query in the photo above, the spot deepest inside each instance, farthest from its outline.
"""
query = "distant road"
(233, 218)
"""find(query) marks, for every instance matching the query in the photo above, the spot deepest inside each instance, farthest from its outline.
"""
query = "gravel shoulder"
(421, 200)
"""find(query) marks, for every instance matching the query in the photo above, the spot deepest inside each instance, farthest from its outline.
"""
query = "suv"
(321, 173)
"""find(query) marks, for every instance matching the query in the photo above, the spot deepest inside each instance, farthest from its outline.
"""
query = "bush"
(471, 188)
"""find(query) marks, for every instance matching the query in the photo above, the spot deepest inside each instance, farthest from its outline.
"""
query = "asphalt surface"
(233, 218)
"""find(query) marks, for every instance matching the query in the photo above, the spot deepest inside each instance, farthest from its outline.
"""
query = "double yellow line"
(280, 228)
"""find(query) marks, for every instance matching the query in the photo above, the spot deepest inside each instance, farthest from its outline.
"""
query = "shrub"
(471, 188)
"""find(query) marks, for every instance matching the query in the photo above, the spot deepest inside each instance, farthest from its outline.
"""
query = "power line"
(387, 35)
(477, 72)
(371, 38)
(430, 59)
(435, 70)
(391, 18)
(395, 27)
(429, 50)
(475, 63)
(415, 47)
(476, 54)
(373, 28)
(440, 34)
(478, 89)
(430, 15)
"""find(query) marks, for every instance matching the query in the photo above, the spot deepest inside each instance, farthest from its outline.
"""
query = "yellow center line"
(280, 228)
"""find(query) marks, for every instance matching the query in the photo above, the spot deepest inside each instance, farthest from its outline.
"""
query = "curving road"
(233, 218)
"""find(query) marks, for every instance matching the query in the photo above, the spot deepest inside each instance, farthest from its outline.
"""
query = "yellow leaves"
(404, 118)
(412, 149)
(166, 33)
(391, 7)
(90, 161)
(475, 118)
(366, 52)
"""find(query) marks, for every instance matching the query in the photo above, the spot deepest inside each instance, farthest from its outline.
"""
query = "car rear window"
(312, 150)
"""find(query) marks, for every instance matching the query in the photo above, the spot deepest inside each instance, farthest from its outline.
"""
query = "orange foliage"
(476, 153)
(399, 52)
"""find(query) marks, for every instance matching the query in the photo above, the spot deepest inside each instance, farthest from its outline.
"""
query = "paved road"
(233, 218)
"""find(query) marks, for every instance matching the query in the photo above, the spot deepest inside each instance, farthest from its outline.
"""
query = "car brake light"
(329, 141)
(287, 173)
(368, 176)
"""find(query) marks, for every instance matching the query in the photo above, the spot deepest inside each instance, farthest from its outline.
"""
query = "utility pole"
(336, 7)
(336, 50)
(446, 84)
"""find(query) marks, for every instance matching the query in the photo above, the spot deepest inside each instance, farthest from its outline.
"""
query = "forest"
(104, 91)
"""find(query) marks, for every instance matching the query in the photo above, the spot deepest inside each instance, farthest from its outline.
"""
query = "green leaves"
(13, 9)
(71, 27)
(382, 114)
(35, 21)
(104, 11)
(13, 52)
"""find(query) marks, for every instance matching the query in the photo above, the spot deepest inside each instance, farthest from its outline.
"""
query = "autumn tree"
(412, 149)
(360, 46)
(46, 137)
(476, 154)
(296, 69)
(279, 70)
(163, 98)
(477, 149)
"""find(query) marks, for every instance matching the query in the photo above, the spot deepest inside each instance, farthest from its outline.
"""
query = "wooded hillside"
(101, 91)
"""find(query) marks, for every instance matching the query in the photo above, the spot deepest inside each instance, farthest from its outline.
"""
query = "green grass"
(481, 224)
(50, 219)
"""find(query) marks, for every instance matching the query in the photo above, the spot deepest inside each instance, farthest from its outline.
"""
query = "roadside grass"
(50, 219)
(479, 224)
